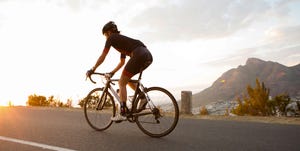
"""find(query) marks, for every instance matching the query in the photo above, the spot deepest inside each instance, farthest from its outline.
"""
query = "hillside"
(277, 77)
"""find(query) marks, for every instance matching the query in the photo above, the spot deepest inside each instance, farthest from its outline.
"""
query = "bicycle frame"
(139, 89)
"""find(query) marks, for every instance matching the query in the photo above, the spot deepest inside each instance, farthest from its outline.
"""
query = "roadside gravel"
(261, 119)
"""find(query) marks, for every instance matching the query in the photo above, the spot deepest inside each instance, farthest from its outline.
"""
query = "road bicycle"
(158, 118)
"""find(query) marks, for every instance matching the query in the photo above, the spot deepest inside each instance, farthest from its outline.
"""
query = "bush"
(37, 100)
(258, 104)
(203, 111)
(279, 104)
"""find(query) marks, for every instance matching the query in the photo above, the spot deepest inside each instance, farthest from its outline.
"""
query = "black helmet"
(110, 26)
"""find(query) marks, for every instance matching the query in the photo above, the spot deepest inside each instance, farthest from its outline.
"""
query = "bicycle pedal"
(118, 122)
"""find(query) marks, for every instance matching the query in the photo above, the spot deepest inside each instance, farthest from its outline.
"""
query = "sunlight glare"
(4, 103)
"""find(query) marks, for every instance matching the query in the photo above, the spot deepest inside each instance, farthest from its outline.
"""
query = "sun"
(3, 103)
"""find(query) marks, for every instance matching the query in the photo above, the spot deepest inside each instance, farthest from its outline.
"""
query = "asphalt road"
(34, 129)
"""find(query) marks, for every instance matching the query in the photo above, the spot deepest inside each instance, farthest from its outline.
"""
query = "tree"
(51, 100)
(93, 99)
(81, 102)
(69, 103)
(37, 100)
(258, 99)
(242, 108)
(281, 102)
(256, 103)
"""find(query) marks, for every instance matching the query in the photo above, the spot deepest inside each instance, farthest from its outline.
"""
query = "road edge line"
(44, 146)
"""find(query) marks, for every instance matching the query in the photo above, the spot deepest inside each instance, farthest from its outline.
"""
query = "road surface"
(35, 129)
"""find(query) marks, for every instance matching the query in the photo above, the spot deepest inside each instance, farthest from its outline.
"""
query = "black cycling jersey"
(123, 44)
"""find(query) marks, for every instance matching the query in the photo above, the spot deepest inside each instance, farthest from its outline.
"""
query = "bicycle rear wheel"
(165, 113)
(99, 117)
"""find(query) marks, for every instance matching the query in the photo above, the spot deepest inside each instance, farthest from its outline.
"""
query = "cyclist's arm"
(119, 66)
(100, 60)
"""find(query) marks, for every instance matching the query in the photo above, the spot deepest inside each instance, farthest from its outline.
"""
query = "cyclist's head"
(110, 26)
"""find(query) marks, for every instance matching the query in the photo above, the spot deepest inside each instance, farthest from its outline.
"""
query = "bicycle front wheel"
(98, 112)
(165, 113)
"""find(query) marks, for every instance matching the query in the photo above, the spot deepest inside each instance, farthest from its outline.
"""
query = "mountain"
(232, 84)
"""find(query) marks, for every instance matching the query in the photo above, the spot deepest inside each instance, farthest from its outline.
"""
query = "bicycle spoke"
(164, 115)
(148, 122)
(98, 112)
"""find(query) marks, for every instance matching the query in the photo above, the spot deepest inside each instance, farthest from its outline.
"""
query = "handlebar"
(106, 75)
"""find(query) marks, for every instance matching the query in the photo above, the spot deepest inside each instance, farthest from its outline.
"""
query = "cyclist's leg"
(123, 95)
(132, 85)
(140, 60)
(125, 77)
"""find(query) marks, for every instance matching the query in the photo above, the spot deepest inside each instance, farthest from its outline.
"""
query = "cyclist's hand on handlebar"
(89, 72)
(110, 74)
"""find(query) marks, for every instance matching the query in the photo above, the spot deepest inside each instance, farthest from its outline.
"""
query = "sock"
(123, 104)
(123, 108)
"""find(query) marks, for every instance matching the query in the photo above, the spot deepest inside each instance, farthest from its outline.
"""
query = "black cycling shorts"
(141, 58)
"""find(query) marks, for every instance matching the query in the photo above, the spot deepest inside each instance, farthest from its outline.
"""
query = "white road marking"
(44, 146)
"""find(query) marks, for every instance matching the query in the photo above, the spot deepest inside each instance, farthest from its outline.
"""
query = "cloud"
(181, 20)
(282, 44)
(187, 20)
(283, 36)
(288, 56)
(78, 5)
(200, 18)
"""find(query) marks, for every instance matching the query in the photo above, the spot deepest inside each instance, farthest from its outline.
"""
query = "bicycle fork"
(103, 98)
(101, 102)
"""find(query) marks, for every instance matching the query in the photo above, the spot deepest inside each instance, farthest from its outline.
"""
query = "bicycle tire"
(99, 119)
(168, 109)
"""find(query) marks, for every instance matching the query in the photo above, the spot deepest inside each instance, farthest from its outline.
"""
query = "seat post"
(140, 76)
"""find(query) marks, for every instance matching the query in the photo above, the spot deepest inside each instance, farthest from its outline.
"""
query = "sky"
(46, 46)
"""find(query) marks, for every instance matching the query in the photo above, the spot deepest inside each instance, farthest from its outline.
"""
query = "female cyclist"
(140, 59)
